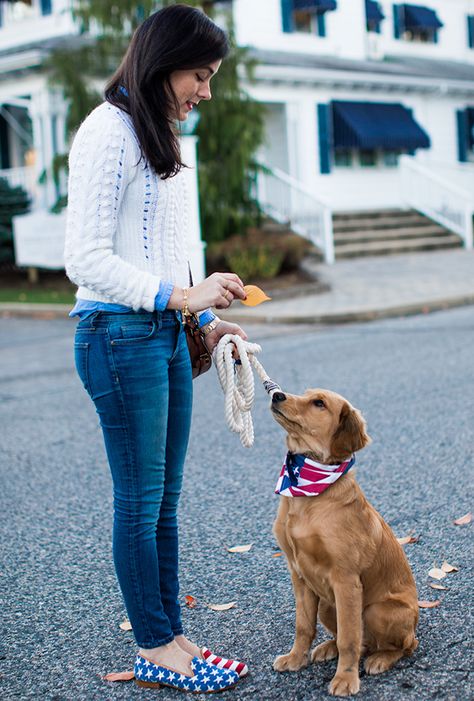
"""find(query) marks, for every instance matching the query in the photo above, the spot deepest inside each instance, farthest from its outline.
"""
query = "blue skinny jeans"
(137, 371)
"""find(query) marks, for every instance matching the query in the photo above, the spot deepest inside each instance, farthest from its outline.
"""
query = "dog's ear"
(350, 434)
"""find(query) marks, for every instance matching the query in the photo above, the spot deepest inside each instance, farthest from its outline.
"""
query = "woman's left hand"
(221, 329)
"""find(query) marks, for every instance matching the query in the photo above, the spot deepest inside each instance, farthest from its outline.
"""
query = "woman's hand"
(223, 327)
(218, 290)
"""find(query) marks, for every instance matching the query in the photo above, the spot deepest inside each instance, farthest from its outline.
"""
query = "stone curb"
(351, 316)
(61, 311)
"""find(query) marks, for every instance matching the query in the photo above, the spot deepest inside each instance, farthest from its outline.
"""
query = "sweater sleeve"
(102, 161)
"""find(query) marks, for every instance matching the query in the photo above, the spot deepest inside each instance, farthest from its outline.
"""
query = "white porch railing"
(25, 177)
(289, 202)
(442, 199)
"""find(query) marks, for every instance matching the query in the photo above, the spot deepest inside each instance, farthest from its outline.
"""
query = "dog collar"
(302, 477)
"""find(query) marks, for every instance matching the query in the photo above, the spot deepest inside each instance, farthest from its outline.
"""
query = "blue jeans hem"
(156, 643)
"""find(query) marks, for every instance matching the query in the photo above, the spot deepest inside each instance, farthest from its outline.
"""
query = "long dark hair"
(178, 37)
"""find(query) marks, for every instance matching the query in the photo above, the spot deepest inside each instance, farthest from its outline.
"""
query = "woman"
(126, 250)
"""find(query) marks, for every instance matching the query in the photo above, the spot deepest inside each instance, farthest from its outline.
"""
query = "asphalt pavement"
(61, 607)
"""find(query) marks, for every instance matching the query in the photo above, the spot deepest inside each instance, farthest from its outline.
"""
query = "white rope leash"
(237, 382)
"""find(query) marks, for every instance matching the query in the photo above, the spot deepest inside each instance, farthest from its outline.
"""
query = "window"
(343, 158)
(302, 22)
(416, 23)
(390, 158)
(307, 16)
(366, 158)
(424, 36)
(309, 23)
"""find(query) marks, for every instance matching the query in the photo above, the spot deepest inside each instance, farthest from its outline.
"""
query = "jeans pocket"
(81, 357)
(132, 332)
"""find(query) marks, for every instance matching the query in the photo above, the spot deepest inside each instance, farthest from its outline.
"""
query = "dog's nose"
(278, 397)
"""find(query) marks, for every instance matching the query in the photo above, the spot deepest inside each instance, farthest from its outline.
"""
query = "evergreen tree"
(231, 127)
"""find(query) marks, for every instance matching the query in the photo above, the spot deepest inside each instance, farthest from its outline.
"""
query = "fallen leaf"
(435, 585)
(126, 625)
(240, 548)
(463, 520)
(408, 539)
(437, 573)
(446, 567)
(429, 604)
(119, 676)
(277, 554)
(190, 601)
(222, 607)
(255, 296)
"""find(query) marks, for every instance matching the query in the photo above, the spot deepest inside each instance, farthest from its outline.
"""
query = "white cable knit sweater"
(126, 228)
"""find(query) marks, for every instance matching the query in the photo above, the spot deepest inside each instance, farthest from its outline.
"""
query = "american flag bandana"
(302, 477)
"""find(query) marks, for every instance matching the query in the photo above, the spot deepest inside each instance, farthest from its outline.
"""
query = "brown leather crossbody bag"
(201, 359)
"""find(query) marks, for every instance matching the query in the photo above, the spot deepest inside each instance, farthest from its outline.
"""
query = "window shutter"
(396, 21)
(463, 135)
(287, 15)
(470, 31)
(325, 139)
(46, 7)
(321, 24)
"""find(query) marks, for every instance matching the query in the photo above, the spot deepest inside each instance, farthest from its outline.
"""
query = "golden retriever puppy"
(346, 565)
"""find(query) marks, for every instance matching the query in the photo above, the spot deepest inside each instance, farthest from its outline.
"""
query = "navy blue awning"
(419, 17)
(317, 6)
(373, 11)
(370, 125)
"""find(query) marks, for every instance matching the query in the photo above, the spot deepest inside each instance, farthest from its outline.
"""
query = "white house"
(370, 105)
(352, 85)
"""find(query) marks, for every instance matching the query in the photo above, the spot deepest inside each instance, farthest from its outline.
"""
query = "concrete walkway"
(370, 288)
(359, 289)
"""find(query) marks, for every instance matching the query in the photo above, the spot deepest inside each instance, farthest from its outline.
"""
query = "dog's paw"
(325, 651)
(290, 662)
(344, 684)
(382, 661)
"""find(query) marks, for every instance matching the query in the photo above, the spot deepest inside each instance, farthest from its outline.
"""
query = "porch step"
(388, 231)
(372, 214)
(372, 234)
(412, 219)
(386, 247)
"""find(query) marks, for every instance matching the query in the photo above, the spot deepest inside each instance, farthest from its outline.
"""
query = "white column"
(302, 130)
(195, 243)
(48, 114)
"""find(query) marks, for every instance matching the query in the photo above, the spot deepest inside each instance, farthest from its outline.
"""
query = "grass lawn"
(52, 287)
(33, 295)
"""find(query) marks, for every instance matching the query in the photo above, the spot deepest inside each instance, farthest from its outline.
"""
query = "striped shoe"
(223, 663)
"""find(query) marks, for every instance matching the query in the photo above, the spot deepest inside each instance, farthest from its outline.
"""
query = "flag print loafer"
(223, 663)
(207, 678)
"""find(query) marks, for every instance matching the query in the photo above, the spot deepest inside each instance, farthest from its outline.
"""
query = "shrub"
(255, 262)
(258, 254)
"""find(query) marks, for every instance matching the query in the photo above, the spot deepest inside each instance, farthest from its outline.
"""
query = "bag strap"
(191, 283)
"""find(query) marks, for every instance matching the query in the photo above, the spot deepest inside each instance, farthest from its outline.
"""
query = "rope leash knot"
(237, 382)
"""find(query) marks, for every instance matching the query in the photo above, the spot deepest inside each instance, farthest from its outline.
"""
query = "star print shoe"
(223, 663)
(206, 679)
